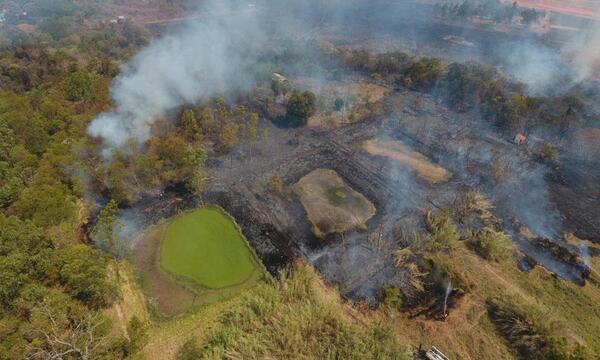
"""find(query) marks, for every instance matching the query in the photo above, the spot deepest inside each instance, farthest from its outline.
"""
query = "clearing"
(331, 205)
(196, 258)
(206, 247)
(396, 150)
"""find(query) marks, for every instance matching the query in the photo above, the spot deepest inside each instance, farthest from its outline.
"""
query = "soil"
(169, 297)
(330, 204)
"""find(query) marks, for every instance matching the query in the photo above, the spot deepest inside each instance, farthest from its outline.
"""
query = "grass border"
(214, 295)
(195, 286)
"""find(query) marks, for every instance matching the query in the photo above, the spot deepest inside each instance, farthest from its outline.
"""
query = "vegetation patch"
(206, 247)
(197, 258)
(332, 206)
(397, 151)
(296, 318)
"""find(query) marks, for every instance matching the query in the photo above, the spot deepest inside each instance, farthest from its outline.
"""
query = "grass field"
(397, 151)
(331, 205)
(194, 259)
(206, 247)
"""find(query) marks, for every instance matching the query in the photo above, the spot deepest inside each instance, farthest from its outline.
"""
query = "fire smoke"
(201, 60)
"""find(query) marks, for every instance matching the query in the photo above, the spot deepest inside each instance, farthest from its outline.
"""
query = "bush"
(491, 244)
(189, 351)
(300, 107)
(443, 232)
(138, 334)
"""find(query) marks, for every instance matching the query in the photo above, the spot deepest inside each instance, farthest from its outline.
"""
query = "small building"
(519, 138)
(435, 354)
(278, 77)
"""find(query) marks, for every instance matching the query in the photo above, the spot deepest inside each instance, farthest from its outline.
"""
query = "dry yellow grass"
(355, 96)
(331, 205)
(131, 302)
(468, 333)
(399, 152)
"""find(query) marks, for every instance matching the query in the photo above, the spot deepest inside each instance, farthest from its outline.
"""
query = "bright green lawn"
(206, 247)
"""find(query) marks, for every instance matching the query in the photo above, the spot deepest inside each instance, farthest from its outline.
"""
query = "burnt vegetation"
(430, 252)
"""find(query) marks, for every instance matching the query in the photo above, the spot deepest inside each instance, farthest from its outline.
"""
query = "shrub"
(300, 107)
(393, 297)
(443, 232)
(491, 244)
(527, 331)
(189, 351)
(424, 73)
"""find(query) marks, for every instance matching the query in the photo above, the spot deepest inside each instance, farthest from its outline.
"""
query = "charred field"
(427, 180)
(300, 179)
(362, 261)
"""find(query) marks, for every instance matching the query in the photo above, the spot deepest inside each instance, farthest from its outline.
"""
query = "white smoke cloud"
(205, 58)
(584, 53)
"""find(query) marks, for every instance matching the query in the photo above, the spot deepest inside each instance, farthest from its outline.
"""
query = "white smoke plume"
(585, 53)
(205, 58)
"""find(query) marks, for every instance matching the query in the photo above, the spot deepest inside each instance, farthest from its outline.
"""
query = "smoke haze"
(200, 60)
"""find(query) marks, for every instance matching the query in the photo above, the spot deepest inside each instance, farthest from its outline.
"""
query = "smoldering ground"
(218, 55)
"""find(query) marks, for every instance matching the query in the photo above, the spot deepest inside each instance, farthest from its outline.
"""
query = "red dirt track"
(589, 9)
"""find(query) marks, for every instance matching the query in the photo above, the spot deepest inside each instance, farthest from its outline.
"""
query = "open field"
(570, 310)
(332, 206)
(296, 317)
(206, 247)
(397, 151)
(204, 259)
(359, 101)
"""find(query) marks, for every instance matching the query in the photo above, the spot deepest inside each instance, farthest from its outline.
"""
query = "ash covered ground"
(536, 203)
(361, 262)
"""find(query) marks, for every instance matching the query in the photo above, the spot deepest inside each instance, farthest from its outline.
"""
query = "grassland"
(566, 309)
(206, 259)
(206, 247)
(295, 317)
(400, 153)
(332, 206)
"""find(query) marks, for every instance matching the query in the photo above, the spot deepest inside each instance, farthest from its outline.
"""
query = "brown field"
(331, 205)
(399, 152)
(169, 297)
(355, 95)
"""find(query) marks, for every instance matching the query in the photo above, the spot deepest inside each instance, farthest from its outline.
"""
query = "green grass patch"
(205, 247)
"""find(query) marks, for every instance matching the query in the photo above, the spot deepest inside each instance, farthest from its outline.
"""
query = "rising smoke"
(198, 61)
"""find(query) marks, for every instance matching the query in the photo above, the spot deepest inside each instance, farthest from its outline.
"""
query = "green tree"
(57, 27)
(7, 140)
(229, 136)
(12, 276)
(80, 86)
(300, 106)
(192, 130)
(252, 127)
(46, 205)
(84, 275)
(108, 227)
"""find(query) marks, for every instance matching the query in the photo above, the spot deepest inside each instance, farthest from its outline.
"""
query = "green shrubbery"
(294, 319)
(491, 244)
(300, 106)
(527, 331)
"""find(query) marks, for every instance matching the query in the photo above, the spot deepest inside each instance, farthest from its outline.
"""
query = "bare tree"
(79, 339)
